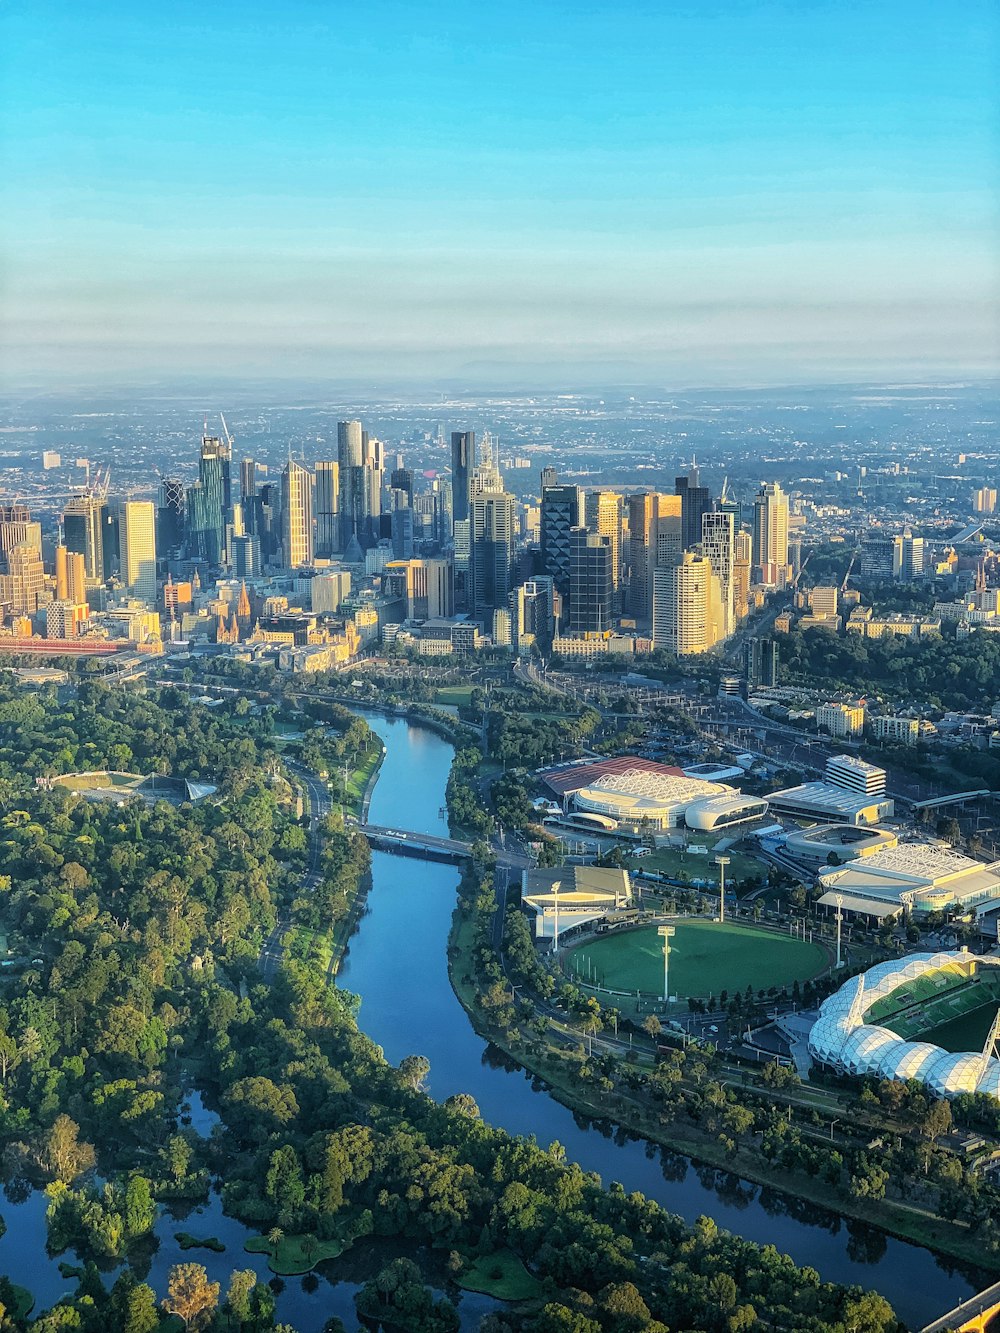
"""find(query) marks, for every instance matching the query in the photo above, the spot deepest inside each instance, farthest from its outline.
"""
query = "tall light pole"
(722, 862)
(555, 902)
(665, 933)
(840, 917)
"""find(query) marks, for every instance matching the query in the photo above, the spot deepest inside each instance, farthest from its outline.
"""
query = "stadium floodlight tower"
(665, 933)
(722, 862)
(840, 917)
(555, 907)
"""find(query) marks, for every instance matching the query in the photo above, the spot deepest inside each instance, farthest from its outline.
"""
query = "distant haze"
(710, 193)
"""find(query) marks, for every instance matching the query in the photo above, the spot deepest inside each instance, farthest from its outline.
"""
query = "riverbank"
(559, 1065)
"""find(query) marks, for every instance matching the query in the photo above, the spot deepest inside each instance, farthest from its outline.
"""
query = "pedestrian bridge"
(972, 1316)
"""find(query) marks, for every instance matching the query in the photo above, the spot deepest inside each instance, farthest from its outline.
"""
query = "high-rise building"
(17, 528)
(760, 663)
(985, 500)
(603, 511)
(62, 575)
(696, 501)
(246, 556)
(269, 521)
(327, 508)
(718, 539)
(590, 584)
(328, 590)
(22, 584)
(170, 515)
(687, 610)
(742, 563)
(550, 477)
(533, 614)
(908, 557)
(770, 535)
(824, 599)
(491, 537)
(350, 455)
(562, 511)
(424, 585)
(402, 533)
(76, 578)
(641, 553)
(137, 536)
(463, 459)
(83, 531)
(296, 515)
(210, 501)
(248, 495)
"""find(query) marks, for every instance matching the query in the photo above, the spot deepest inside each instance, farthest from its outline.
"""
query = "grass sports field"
(966, 1033)
(706, 957)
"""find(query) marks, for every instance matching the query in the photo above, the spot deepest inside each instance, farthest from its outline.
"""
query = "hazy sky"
(690, 192)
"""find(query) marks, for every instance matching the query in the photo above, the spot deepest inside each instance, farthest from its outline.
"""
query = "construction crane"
(850, 567)
(225, 431)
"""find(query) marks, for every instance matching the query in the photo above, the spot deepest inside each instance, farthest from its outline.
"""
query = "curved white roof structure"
(843, 1038)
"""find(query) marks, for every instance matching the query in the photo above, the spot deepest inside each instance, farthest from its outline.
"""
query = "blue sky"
(695, 193)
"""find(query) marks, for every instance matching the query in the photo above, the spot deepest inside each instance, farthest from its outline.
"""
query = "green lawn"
(501, 1275)
(679, 863)
(965, 1033)
(294, 1255)
(706, 957)
(457, 695)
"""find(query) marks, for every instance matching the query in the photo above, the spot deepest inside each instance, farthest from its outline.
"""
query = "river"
(397, 963)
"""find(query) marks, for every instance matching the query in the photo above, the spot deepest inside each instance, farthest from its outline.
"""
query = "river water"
(397, 963)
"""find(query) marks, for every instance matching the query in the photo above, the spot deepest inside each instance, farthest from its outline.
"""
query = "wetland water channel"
(397, 964)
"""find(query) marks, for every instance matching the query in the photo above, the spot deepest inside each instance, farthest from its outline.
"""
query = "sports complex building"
(631, 795)
(883, 1023)
(914, 877)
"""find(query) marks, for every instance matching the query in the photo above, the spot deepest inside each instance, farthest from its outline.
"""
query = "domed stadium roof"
(842, 1037)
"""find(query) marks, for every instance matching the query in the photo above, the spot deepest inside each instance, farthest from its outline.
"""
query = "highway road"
(319, 806)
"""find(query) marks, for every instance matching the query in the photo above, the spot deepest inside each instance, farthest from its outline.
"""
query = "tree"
(414, 1070)
(178, 1156)
(190, 1295)
(283, 1184)
(63, 1155)
(937, 1121)
(241, 1284)
(140, 1311)
(652, 1026)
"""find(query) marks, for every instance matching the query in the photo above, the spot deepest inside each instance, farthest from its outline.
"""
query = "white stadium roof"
(840, 1037)
(919, 875)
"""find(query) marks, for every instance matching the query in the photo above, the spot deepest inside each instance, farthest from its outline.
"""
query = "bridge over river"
(430, 847)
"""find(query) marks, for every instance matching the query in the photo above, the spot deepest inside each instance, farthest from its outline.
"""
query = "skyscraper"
(491, 537)
(696, 500)
(686, 606)
(742, 561)
(248, 495)
(590, 584)
(83, 531)
(296, 515)
(770, 535)
(463, 459)
(210, 501)
(137, 538)
(327, 508)
(562, 511)
(717, 543)
(349, 460)
(170, 514)
(604, 516)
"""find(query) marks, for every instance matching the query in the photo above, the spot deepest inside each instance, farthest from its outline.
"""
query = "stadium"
(929, 1017)
(706, 958)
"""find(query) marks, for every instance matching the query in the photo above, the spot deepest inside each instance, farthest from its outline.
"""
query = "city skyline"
(742, 193)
